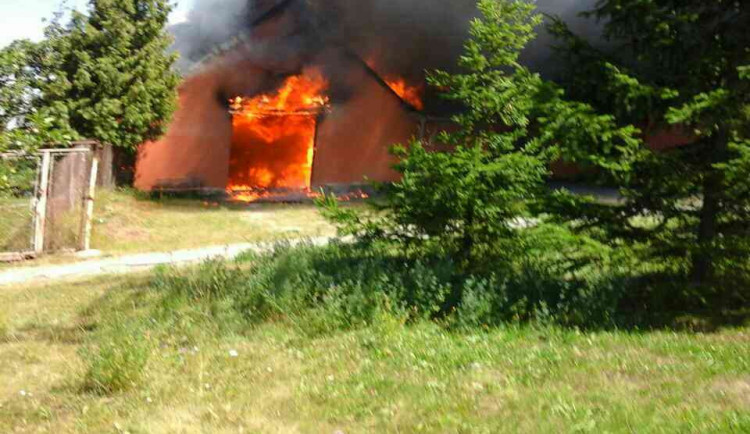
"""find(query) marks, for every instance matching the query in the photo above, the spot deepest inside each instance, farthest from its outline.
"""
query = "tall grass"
(4, 327)
(117, 361)
(344, 286)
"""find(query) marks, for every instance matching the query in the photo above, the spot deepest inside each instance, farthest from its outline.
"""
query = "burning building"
(291, 95)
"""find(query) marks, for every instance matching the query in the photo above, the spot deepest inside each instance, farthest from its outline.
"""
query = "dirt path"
(134, 263)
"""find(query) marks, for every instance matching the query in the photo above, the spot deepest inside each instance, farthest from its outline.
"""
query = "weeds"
(339, 288)
(117, 360)
(178, 353)
(346, 286)
(4, 327)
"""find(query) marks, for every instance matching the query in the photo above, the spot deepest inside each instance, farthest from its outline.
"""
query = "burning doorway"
(273, 139)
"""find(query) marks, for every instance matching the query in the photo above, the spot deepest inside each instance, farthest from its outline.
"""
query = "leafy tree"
(103, 76)
(469, 199)
(684, 66)
(21, 75)
(27, 124)
(14, 86)
(116, 81)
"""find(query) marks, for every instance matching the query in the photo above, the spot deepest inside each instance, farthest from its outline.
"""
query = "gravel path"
(135, 263)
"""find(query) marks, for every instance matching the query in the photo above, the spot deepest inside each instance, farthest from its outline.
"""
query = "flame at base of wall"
(252, 195)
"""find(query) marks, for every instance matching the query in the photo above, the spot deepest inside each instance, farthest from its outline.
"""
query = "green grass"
(15, 224)
(127, 223)
(60, 339)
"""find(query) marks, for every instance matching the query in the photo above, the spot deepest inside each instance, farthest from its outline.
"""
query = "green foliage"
(14, 86)
(119, 86)
(481, 200)
(344, 286)
(683, 65)
(117, 361)
(465, 200)
(471, 201)
(26, 122)
(17, 177)
(103, 76)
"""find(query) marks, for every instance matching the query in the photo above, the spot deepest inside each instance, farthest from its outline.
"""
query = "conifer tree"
(468, 197)
(117, 82)
(677, 66)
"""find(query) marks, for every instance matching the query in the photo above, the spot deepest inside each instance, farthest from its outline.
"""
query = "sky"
(20, 19)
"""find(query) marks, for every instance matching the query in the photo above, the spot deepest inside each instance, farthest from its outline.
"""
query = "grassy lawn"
(15, 224)
(387, 377)
(125, 223)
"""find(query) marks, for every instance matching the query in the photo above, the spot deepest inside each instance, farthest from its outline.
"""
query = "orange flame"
(352, 196)
(412, 95)
(274, 138)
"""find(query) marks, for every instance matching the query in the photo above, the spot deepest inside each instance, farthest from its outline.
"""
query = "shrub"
(193, 294)
(343, 286)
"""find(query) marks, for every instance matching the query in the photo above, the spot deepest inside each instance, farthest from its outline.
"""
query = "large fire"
(273, 139)
(412, 95)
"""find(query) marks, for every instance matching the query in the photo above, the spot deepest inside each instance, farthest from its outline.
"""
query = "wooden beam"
(88, 201)
(17, 256)
(40, 211)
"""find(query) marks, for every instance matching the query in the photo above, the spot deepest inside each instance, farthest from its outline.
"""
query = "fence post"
(88, 209)
(40, 211)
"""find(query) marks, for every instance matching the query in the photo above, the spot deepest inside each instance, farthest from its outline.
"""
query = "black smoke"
(210, 24)
(401, 37)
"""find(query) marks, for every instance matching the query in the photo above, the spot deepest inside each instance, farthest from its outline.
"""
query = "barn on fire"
(304, 94)
(285, 108)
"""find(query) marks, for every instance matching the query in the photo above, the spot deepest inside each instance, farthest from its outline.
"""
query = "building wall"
(195, 150)
(354, 138)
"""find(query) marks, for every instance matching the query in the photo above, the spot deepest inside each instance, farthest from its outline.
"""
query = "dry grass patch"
(127, 222)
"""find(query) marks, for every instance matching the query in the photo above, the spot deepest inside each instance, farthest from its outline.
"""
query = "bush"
(17, 177)
(318, 288)
(343, 286)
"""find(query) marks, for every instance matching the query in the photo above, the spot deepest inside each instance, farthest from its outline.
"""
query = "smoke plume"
(401, 37)
(209, 24)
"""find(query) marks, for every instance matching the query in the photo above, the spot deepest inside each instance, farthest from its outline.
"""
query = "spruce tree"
(469, 196)
(677, 66)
